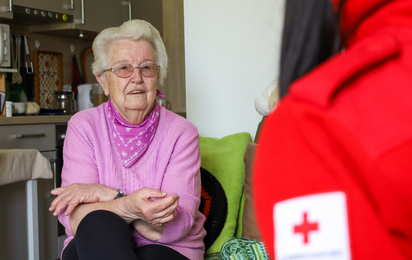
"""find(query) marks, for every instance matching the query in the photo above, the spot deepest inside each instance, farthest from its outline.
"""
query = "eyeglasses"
(126, 70)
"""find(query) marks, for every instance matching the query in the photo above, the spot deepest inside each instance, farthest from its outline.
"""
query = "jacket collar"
(361, 18)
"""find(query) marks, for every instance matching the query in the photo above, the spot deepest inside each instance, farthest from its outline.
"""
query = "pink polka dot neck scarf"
(132, 141)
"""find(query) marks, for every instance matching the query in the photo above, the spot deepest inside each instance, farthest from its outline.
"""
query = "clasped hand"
(78, 193)
(147, 204)
(150, 205)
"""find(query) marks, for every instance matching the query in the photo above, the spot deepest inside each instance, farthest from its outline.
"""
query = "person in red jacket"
(333, 166)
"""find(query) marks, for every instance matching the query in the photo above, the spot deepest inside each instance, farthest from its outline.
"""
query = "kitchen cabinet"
(4, 9)
(150, 11)
(13, 197)
(96, 15)
(89, 16)
(58, 6)
(173, 36)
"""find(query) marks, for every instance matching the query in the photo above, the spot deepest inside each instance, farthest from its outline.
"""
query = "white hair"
(134, 30)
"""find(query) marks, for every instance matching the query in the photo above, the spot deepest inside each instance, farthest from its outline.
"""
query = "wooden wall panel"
(173, 35)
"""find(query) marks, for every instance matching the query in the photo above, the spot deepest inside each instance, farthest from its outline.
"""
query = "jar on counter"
(65, 102)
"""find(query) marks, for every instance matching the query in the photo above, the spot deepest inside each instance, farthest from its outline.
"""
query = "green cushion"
(224, 159)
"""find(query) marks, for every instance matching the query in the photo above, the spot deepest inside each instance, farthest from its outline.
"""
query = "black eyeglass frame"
(143, 64)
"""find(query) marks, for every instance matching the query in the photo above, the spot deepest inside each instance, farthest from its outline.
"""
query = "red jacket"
(333, 167)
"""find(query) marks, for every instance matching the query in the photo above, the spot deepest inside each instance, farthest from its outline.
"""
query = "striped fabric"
(239, 248)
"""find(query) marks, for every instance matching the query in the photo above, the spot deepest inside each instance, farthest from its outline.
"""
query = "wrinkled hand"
(148, 231)
(77, 193)
(140, 205)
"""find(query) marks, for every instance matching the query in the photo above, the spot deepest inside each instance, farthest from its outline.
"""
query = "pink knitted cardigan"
(171, 164)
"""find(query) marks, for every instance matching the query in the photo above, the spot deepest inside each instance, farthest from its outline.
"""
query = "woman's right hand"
(146, 230)
(150, 205)
(77, 193)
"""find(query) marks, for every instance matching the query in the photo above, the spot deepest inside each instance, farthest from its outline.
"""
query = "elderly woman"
(130, 181)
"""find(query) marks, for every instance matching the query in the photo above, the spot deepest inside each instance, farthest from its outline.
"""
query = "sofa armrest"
(249, 228)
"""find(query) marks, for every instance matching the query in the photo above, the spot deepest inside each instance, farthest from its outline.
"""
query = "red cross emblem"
(305, 228)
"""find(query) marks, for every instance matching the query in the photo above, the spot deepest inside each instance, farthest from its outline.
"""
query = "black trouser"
(104, 235)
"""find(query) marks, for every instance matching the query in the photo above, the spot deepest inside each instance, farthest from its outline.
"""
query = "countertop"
(28, 120)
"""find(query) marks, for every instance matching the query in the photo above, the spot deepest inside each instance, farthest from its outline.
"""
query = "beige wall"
(241, 40)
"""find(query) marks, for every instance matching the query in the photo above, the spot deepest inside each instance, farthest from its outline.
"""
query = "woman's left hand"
(74, 194)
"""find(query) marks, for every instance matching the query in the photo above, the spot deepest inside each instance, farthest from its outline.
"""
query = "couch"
(227, 162)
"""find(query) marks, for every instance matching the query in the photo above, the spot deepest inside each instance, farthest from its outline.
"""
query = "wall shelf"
(8, 70)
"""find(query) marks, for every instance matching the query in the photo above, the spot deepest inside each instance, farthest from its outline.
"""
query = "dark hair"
(310, 36)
